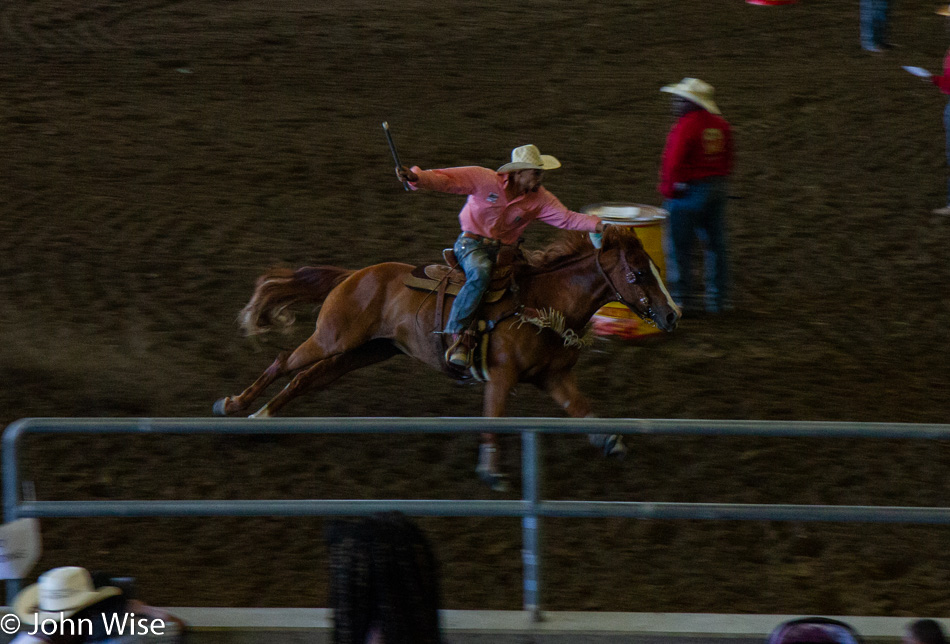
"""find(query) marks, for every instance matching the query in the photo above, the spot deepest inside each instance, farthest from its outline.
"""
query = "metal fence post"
(11, 491)
(531, 523)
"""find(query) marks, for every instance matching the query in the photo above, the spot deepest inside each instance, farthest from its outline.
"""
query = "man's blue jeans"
(476, 257)
(875, 17)
(698, 213)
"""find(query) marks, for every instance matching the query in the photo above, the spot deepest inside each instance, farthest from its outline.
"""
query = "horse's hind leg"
(562, 386)
(237, 404)
(307, 353)
(327, 370)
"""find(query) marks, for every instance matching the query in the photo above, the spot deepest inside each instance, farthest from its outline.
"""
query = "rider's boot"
(459, 352)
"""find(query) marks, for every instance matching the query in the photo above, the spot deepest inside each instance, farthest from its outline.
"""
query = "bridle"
(631, 276)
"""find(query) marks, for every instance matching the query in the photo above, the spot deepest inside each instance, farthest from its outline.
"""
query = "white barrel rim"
(620, 213)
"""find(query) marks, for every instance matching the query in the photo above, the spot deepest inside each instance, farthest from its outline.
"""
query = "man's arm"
(556, 214)
(677, 146)
(460, 181)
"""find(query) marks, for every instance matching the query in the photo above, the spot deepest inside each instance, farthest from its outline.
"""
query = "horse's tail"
(279, 288)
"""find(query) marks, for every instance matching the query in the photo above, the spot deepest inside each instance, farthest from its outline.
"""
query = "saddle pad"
(428, 278)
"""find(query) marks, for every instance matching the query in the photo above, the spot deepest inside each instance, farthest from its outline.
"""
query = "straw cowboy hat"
(528, 157)
(696, 91)
(60, 592)
(944, 11)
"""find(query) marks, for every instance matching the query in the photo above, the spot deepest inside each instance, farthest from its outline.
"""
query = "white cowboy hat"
(60, 592)
(528, 157)
(944, 11)
(696, 91)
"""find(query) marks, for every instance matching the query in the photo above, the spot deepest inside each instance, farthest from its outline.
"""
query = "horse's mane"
(570, 244)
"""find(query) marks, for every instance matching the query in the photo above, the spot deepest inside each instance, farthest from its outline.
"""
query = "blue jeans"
(697, 213)
(875, 17)
(946, 127)
(477, 258)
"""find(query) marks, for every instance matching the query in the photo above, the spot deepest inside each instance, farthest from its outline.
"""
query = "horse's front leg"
(497, 390)
(562, 386)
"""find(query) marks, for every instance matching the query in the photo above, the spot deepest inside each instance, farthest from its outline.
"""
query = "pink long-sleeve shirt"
(489, 213)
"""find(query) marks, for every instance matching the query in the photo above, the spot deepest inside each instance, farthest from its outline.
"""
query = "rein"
(629, 275)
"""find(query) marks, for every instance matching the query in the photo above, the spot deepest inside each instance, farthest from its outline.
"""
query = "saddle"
(432, 278)
(446, 280)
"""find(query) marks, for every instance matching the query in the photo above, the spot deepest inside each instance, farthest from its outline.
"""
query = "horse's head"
(635, 279)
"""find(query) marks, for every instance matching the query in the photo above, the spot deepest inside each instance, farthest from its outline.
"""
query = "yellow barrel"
(649, 223)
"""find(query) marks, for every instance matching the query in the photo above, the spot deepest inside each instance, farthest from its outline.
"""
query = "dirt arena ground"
(159, 154)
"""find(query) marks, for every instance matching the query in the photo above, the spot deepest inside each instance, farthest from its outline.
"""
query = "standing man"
(500, 205)
(697, 161)
(943, 82)
(875, 25)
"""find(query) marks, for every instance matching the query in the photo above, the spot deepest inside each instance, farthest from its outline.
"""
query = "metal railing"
(531, 508)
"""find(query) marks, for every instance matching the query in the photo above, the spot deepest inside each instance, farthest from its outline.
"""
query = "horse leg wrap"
(487, 468)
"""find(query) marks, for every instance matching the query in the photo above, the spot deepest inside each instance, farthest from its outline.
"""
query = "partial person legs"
(712, 232)
(945, 211)
(699, 213)
(678, 247)
(875, 21)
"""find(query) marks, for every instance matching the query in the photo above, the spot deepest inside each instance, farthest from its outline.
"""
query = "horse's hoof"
(220, 407)
(263, 412)
(611, 445)
(614, 447)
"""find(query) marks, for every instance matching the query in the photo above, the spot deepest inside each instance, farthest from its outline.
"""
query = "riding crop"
(392, 148)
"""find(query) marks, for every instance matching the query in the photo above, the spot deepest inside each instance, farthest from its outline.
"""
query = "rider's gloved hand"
(405, 174)
(597, 237)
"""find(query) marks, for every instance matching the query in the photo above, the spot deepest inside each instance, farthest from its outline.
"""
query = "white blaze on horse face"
(669, 298)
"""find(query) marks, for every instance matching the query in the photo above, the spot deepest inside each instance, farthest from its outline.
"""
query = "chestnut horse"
(370, 315)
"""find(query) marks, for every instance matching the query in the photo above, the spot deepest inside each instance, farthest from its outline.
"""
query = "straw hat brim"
(943, 11)
(689, 96)
(26, 605)
(547, 163)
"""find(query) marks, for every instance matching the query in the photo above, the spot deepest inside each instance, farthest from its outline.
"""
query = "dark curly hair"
(383, 575)
(927, 631)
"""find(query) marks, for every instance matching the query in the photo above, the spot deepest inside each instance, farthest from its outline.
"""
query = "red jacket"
(699, 145)
(943, 82)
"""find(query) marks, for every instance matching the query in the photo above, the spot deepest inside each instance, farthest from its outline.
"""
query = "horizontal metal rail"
(450, 508)
(531, 508)
(450, 425)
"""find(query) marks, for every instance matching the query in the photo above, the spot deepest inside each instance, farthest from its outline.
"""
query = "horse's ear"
(615, 235)
(626, 235)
